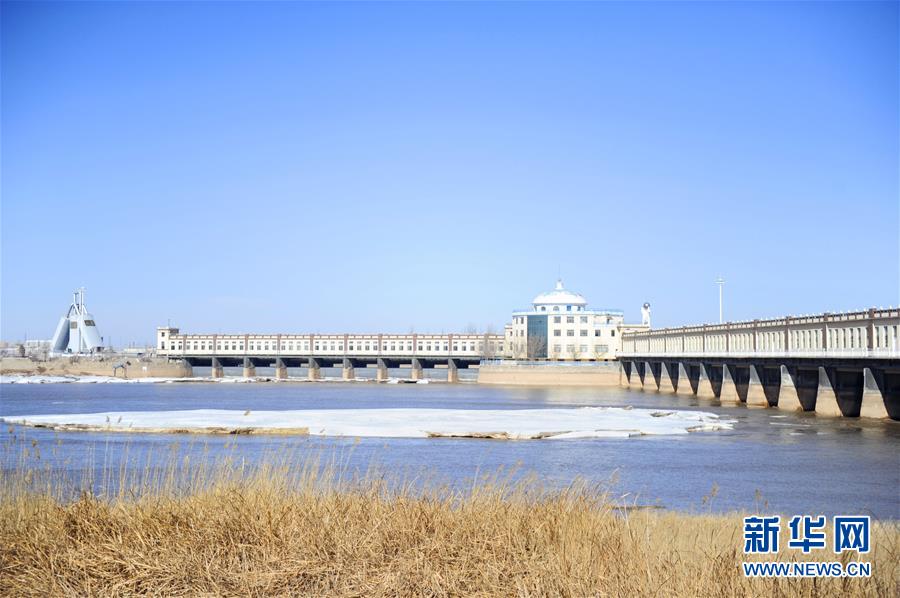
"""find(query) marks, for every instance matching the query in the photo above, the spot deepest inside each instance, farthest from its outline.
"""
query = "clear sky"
(351, 167)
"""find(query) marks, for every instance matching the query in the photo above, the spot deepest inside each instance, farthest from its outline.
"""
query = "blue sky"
(345, 167)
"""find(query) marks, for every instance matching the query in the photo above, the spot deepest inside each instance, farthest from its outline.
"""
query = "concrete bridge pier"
(452, 371)
(187, 370)
(347, 370)
(684, 386)
(281, 372)
(826, 400)
(417, 372)
(249, 368)
(217, 371)
(634, 378)
(314, 370)
(787, 393)
(756, 395)
(848, 384)
(799, 388)
(700, 382)
(734, 385)
(714, 373)
(668, 377)
(770, 380)
(652, 373)
(882, 393)
(381, 374)
(639, 370)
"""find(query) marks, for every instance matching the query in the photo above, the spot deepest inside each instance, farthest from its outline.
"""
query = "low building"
(561, 326)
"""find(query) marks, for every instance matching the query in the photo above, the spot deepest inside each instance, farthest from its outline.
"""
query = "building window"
(583, 333)
(568, 308)
(557, 319)
(557, 332)
(555, 308)
(556, 348)
(584, 319)
(612, 332)
(582, 348)
(570, 333)
(570, 319)
(597, 332)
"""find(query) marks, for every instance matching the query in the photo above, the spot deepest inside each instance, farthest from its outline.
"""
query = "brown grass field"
(304, 530)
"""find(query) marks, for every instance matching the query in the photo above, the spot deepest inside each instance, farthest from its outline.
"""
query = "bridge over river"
(833, 364)
(316, 351)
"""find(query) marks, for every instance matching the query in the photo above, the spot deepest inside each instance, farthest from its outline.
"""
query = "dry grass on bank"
(300, 532)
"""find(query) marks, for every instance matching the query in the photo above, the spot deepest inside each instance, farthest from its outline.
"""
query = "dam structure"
(316, 351)
(838, 364)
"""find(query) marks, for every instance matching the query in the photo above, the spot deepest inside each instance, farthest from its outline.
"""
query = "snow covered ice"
(512, 424)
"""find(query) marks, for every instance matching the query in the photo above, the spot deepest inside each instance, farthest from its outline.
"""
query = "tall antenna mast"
(721, 282)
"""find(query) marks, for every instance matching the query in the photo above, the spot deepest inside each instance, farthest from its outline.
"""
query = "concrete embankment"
(96, 366)
(550, 374)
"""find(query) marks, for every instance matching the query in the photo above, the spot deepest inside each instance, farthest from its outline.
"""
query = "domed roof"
(559, 296)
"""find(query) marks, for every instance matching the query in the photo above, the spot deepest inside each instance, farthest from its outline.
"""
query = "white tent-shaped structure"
(76, 332)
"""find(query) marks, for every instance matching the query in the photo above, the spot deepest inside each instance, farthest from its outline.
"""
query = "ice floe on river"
(512, 424)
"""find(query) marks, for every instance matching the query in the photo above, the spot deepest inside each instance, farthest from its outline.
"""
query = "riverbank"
(301, 530)
(106, 365)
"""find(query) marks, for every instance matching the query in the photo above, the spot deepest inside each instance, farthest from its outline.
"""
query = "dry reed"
(309, 529)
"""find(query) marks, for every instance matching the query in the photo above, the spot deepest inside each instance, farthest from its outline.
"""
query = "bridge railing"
(869, 333)
(831, 354)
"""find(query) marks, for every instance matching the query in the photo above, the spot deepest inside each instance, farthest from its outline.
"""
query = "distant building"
(137, 351)
(561, 326)
(76, 332)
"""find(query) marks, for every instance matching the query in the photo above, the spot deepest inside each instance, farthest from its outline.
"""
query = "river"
(770, 461)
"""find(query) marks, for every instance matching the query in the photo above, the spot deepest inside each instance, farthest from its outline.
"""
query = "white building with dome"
(560, 326)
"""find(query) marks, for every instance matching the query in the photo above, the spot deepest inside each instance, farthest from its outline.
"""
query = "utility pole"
(721, 282)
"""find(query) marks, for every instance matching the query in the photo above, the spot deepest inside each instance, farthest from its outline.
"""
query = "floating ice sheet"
(513, 424)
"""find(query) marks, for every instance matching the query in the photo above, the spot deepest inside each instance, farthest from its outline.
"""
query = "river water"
(771, 461)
